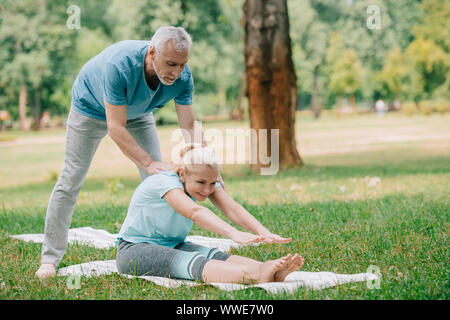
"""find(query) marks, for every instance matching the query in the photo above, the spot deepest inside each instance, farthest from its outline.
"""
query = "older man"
(115, 93)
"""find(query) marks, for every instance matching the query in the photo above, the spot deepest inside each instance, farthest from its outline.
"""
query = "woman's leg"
(229, 272)
(147, 259)
(154, 260)
(226, 268)
(208, 252)
(239, 269)
(294, 262)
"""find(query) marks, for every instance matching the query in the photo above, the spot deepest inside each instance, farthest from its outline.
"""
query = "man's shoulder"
(130, 45)
(126, 53)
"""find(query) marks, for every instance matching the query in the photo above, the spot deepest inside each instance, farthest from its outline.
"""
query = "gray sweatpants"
(83, 135)
(185, 261)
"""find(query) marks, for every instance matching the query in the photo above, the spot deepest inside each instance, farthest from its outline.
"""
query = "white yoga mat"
(102, 239)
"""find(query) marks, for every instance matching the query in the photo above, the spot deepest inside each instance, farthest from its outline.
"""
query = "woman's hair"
(181, 39)
(196, 154)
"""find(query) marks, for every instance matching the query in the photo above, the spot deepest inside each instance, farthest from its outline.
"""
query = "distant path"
(306, 142)
(33, 141)
(330, 137)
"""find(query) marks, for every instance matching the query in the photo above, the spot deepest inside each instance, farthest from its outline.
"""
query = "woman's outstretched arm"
(241, 217)
(205, 218)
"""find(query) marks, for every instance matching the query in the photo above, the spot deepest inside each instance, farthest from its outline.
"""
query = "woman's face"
(200, 182)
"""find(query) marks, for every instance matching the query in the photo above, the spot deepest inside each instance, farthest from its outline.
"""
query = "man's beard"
(161, 78)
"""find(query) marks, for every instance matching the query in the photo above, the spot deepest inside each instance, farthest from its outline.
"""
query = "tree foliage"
(406, 58)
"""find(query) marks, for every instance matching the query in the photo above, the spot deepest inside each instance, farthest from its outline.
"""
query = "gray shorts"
(185, 261)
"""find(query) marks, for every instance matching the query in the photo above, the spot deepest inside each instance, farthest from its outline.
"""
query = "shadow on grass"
(91, 184)
(395, 164)
(284, 217)
(432, 165)
(405, 236)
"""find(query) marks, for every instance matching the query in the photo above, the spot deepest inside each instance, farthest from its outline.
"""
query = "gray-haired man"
(115, 93)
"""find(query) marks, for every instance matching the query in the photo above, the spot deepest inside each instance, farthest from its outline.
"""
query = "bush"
(409, 108)
(442, 106)
(6, 138)
(426, 107)
(114, 185)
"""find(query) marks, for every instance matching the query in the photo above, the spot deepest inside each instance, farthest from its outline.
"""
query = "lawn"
(373, 191)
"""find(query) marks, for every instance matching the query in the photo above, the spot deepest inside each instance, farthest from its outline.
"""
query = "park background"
(372, 188)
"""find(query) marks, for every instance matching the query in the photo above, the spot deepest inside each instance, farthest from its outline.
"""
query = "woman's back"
(150, 218)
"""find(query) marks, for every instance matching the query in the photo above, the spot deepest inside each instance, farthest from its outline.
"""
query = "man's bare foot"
(294, 262)
(268, 269)
(46, 270)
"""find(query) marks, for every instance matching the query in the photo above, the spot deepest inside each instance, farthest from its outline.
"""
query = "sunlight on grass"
(364, 196)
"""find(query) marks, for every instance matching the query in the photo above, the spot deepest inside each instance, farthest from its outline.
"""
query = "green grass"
(338, 221)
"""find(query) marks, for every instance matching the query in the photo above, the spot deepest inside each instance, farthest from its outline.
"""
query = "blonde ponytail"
(197, 154)
(188, 147)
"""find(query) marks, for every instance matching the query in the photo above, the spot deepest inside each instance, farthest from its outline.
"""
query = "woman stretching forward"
(160, 216)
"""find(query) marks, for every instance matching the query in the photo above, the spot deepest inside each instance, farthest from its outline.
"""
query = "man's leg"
(143, 130)
(82, 139)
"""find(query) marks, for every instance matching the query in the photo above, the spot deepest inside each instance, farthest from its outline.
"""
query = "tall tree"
(310, 41)
(345, 69)
(429, 68)
(350, 18)
(271, 79)
(432, 49)
(393, 77)
(434, 23)
(36, 42)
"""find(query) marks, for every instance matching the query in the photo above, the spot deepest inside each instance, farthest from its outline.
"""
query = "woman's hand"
(245, 237)
(221, 182)
(270, 237)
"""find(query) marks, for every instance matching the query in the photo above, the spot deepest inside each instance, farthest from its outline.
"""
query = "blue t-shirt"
(117, 75)
(150, 217)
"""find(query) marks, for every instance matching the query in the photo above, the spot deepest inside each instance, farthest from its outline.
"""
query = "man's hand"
(156, 167)
(270, 237)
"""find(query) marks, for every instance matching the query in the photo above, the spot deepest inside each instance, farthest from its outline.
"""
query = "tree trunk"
(23, 107)
(352, 102)
(239, 114)
(271, 79)
(315, 106)
(37, 110)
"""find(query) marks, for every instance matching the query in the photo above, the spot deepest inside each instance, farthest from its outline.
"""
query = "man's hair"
(181, 39)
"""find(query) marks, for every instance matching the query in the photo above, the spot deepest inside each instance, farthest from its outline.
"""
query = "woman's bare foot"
(294, 262)
(268, 269)
(46, 270)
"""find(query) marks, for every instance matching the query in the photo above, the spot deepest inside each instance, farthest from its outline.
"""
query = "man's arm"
(116, 118)
(192, 132)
